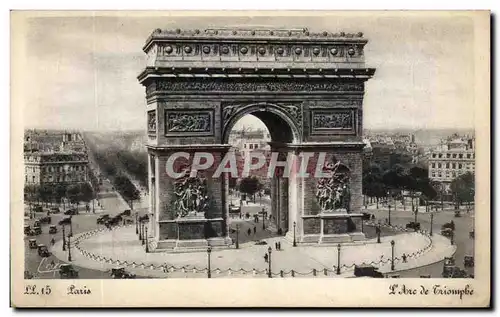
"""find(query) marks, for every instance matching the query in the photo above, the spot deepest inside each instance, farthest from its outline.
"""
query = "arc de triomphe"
(307, 88)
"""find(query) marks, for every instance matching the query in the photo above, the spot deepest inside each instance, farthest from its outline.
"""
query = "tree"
(85, 192)
(60, 192)
(72, 193)
(463, 189)
(127, 189)
(250, 185)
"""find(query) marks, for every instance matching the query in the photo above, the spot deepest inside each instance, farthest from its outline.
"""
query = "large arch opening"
(258, 202)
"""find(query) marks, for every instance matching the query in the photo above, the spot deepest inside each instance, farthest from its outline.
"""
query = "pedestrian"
(249, 231)
(52, 242)
(266, 257)
(279, 245)
(254, 230)
(404, 257)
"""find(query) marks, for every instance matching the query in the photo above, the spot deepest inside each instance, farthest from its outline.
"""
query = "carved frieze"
(152, 122)
(182, 85)
(333, 121)
(192, 122)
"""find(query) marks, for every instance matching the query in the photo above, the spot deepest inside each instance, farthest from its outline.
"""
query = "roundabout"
(104, 249)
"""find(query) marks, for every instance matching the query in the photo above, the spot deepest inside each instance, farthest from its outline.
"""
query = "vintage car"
(447, 232)
(468, 261)
(28, 275)
(43, 251)
(457, 214)
(450, 225)
(367, 270)
(71, 212)
(128, 220)
(27, 229)
(32, 244)
(53, 230)
(46, 220)
(37, 208)
(126, 213)
(102, 219)
(413, 225)
(449, 261)
(121, 273)
(114, 221)
(368, 216)
(67, 271)
(37, 223)
(55, 210)
(261, 242)
(454, 272)
(37, 230)
(425, 276)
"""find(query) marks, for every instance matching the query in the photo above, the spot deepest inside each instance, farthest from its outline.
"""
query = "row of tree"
(59, 193)
(380, 184)
(108, 159)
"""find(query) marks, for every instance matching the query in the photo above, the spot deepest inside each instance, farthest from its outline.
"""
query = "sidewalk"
(121, 247)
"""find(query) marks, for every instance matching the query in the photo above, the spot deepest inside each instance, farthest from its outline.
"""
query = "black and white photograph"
(310, 148)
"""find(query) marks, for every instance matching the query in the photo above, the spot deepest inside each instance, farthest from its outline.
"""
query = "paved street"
(111, 204)
(463, 225)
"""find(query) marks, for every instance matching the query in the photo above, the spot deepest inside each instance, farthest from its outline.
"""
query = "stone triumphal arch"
(308, 90)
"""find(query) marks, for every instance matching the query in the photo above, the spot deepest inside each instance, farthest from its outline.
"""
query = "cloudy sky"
(82, 70)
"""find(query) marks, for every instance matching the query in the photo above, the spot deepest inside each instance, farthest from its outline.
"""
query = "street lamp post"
(269, 273)
(64, 238)
(136, 223)
(209, 272)
(143, 227)
(452, 237)
(432, 221)
(392, 254)
(389, 215)
(264, 216)
(71, 225)
(237, 236)
(294, 229)
(147, 244)
(378, 230)
(416, 213)
(69, 249)
(338, 259)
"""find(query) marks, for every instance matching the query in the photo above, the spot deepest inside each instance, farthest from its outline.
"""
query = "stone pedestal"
(332, 228)
(194, 232)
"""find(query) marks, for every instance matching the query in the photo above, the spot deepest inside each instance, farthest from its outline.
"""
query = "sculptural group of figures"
(333, 193)
(188, 122)
(191, 196)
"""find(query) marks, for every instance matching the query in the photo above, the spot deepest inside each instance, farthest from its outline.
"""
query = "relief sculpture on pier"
(333, 193)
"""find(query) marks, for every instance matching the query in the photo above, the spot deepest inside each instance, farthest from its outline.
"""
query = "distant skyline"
(82, 70)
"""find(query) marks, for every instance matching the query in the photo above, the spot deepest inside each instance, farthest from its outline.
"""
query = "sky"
(83, 70)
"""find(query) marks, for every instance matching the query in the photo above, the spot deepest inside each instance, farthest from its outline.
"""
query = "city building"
(452, 158)
(250, 140)
(43, 168)
(55, 157)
